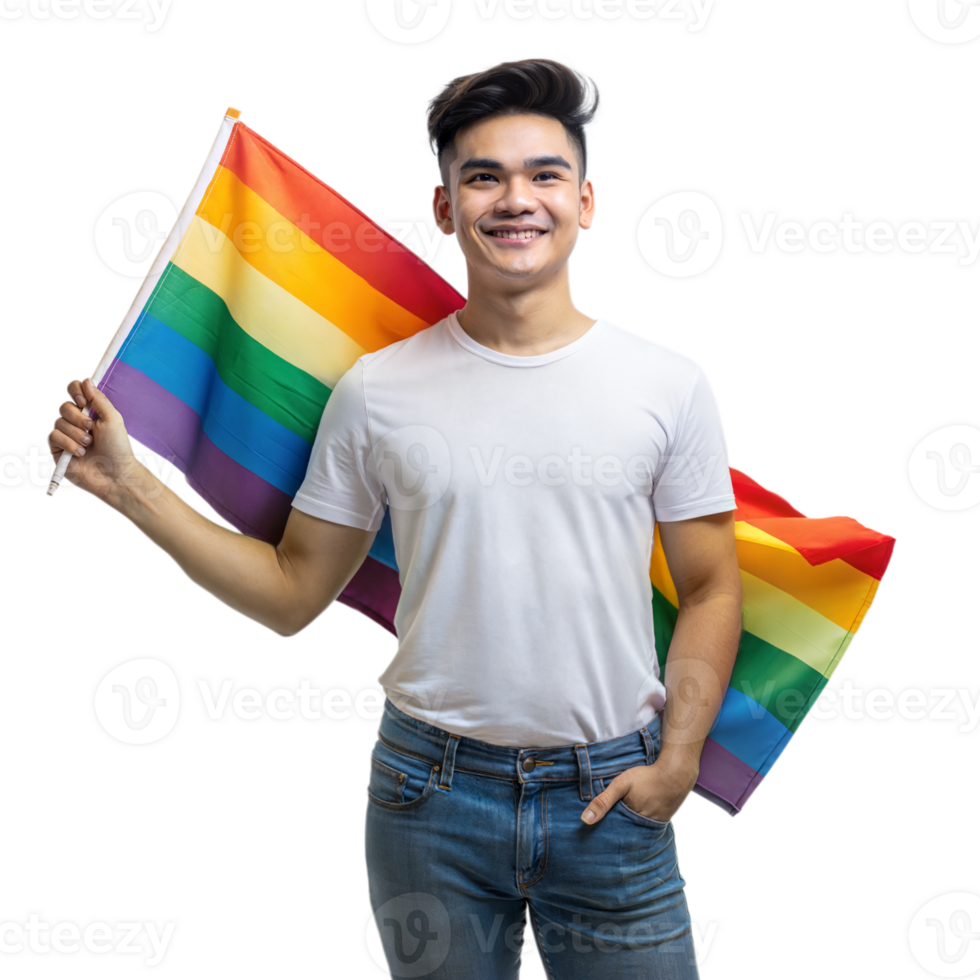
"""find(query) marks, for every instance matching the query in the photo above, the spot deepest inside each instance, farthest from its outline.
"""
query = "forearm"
(697, 671)
(698, 668)
(242, 572)
(703, 561)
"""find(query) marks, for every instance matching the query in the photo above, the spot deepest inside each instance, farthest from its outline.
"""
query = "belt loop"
(584, 772)
(647, 744)
(448, 762)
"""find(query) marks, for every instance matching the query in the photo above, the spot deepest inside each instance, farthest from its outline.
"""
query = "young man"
(534, 757)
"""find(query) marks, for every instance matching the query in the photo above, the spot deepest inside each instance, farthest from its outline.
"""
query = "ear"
(443, 211)
(586, 205)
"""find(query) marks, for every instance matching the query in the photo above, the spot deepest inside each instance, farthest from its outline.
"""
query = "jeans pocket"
(400, 781)
(635, 816)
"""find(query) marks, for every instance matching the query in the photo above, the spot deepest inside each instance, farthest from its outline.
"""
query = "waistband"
(576, 762)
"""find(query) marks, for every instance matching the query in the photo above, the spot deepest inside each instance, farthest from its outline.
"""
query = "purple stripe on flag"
(374, 590)
(246, 501)
(725, 776)
(163, 423)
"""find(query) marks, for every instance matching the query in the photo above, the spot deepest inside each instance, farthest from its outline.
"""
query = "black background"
(830, 368)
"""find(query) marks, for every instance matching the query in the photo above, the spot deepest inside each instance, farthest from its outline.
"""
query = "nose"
(516, 197)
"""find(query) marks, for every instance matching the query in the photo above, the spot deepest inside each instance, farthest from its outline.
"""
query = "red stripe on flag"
(334, 223)
(754, 500)
(817, 539)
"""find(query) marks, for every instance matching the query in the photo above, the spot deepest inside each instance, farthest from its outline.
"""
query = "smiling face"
(514, 199)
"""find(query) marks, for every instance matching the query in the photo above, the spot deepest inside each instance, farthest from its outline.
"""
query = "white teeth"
(534, 233)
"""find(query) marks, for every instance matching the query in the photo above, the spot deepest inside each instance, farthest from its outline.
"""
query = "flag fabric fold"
(269, 288)
(806, 586)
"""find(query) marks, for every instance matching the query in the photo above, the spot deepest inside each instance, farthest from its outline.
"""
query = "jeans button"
(528, 764)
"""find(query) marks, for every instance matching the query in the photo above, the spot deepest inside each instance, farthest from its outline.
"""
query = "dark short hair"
(536, 86)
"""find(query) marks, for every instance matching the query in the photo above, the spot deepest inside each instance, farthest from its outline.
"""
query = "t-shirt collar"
(516, 360)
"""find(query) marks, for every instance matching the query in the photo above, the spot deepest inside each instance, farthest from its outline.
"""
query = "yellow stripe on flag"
(835, 590)
(279, 250)
(776, 617)
(263, 309)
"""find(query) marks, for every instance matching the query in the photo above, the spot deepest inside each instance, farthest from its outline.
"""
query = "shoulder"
(407, 353)
(649, 361)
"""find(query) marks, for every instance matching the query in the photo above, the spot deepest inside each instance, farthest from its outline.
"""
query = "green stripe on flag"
(292, 397)
(781, 683)
(664, 620)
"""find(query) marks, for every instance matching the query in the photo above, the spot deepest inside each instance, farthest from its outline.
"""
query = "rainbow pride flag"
(806, 586)
(269, 288)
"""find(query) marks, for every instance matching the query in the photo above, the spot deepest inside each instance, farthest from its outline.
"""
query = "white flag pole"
(156, 270)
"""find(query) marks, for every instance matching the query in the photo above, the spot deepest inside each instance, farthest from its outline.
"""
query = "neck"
(521, 320)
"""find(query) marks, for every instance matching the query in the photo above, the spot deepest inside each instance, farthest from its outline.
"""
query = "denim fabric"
(461, 839)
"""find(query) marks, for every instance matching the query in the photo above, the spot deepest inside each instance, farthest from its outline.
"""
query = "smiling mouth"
(517, 236)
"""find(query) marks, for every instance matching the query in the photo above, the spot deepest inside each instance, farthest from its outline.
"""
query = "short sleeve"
(693, 478)
(341, 484)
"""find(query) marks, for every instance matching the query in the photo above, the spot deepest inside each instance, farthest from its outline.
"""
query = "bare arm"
(703, 564)
(284, 587)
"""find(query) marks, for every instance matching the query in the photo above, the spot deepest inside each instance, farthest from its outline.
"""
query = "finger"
(603, 803)
(70, 412)
(58, 440)
(99, 402)
(75, 391)
(80, 436)
(58, 444)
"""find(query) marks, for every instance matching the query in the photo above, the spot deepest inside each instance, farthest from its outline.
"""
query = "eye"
(479, 177)
(546, 176)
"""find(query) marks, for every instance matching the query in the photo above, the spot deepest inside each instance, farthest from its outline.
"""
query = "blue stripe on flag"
(748, 730)
(383, 547)
(249, 436)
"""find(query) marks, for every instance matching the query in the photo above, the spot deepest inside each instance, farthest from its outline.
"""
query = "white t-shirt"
(523, 493)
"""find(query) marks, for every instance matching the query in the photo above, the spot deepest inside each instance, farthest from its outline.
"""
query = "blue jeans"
(463, 835)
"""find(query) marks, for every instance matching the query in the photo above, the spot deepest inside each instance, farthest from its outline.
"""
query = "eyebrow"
(486, 163)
